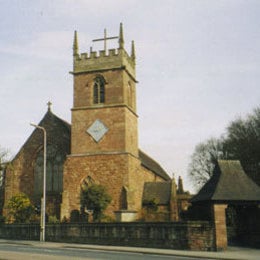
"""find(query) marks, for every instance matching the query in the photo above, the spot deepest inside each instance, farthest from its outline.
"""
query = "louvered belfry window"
(99, 90)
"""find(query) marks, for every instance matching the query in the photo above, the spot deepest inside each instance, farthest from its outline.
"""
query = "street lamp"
(43, 202)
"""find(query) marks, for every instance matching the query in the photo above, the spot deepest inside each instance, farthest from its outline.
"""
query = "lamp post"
(43, 202)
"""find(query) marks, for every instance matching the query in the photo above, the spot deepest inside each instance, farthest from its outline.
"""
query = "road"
(27, 251)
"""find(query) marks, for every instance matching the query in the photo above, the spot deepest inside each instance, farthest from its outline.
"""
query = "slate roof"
(54, 126)
(53, 120)
(229, 183)
(153, 166)
(160, 191)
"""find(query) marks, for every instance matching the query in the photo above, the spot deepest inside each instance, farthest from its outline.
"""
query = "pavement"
(236, 253)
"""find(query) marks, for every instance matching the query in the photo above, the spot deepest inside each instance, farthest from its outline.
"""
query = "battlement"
(95, 54)
(104, 59)
(94, 61)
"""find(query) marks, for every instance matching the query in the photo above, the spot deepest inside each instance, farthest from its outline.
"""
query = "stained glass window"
(54, 171)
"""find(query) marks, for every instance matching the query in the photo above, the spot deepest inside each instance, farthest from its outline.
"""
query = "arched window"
(99, 90)
(88, 181)
(54, 172)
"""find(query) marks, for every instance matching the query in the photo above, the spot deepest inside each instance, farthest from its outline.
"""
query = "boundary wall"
(195, 235)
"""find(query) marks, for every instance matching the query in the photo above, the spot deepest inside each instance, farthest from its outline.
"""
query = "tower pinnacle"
(133, 51)
(180, 185)
(75, 44)
(121, 37)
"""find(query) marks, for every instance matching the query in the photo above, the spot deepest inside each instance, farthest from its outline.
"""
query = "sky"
(198, 66)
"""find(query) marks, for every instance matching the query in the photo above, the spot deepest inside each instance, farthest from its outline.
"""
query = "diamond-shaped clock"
(97, 130)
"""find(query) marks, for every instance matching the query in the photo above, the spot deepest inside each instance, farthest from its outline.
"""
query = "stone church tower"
(100, 146)
(104, 134)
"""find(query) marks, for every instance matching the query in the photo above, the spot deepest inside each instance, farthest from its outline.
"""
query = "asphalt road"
(25, 251)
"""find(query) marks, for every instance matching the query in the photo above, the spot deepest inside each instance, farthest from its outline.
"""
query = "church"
(100, 146)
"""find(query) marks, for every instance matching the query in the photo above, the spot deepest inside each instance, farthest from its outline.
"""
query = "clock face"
(97, 130)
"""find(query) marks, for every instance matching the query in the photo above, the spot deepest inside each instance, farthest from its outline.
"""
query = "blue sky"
(198, 66)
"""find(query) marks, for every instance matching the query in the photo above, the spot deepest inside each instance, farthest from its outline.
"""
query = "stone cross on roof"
(105, 39)
(49, 104)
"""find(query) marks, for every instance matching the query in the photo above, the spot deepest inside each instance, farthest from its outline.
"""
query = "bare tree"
(241, 142)
(4, 155)
(203, 161)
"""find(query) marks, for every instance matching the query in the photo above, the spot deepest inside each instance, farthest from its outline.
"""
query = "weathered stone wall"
(109, 171)
(120, 137)
(175, 235)
(93, 61)
(113, 171)
(118, 113)
(116, 89)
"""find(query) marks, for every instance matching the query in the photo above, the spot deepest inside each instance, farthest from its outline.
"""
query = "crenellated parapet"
(104, 59)
(99, 61)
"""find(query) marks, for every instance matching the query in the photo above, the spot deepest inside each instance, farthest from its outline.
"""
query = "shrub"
(20, 209)
(95, 197)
